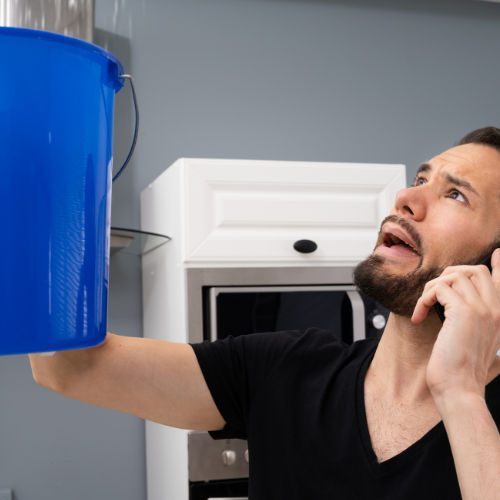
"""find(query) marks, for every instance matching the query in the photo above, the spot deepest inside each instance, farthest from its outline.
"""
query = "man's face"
(451, 215)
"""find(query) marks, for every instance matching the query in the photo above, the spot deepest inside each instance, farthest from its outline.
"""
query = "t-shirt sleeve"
(234, 369)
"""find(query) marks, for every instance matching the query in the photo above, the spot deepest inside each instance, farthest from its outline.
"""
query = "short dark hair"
(487, 136)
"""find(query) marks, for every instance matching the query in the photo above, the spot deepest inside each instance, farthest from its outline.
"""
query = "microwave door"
(245, 310)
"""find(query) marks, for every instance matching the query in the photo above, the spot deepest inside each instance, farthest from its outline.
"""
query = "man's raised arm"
(152, 379)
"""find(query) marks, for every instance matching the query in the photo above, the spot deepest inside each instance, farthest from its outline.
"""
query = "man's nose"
(411, 203)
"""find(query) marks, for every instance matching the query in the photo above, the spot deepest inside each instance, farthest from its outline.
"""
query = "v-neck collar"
(381, 468)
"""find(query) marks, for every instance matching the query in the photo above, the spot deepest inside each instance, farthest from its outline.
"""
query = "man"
(411, 416)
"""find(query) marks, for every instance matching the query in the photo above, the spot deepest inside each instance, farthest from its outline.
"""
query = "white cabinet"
(252, 212)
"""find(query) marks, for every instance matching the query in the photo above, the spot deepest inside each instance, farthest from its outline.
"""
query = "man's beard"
(400, 293)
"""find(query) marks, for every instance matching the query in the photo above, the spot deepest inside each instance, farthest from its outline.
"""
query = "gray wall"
(339, 80)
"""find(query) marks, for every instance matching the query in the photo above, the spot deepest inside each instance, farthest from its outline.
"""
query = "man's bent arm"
(475, 444)
(462, 362)
(156, 380)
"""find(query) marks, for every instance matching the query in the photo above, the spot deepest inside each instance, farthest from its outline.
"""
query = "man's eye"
(419, 181)
(457, 195)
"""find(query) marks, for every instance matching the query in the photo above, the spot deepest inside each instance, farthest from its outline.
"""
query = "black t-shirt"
(299, 400)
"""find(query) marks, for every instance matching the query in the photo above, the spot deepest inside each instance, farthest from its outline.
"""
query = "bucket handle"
(131, 152)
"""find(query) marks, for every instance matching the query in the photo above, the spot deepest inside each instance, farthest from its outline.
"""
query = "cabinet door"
(254, 211)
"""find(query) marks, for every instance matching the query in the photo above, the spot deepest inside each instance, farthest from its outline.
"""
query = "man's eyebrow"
(459, 182)
(426, 167)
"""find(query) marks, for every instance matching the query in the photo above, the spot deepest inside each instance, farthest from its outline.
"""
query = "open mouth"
(400, 246)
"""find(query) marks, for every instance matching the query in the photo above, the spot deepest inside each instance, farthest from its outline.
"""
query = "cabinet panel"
(253, 211)
(292, 209)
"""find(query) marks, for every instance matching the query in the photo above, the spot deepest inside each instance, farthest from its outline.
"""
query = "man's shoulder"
(310, 338)
(291, 350)
(319, 338)
(316, 344)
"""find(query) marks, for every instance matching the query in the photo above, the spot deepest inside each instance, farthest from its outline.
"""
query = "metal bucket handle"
(131, 152)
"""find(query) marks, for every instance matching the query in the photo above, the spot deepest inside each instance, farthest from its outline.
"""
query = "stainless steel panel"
(358, 314)
(67, 17)
(205, 458)
(197, 278)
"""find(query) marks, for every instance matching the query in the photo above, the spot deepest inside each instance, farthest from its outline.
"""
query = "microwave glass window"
(258, 312)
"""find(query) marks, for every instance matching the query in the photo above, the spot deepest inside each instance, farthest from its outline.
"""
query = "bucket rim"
(64, 39)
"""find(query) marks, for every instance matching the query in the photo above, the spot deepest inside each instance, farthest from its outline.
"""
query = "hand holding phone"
(440, 309)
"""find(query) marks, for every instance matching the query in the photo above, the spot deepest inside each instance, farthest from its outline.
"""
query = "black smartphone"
(440, 309)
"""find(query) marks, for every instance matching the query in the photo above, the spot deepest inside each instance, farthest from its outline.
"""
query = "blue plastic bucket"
(56, 133)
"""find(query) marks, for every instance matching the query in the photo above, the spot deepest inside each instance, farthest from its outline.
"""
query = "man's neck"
(400, 363)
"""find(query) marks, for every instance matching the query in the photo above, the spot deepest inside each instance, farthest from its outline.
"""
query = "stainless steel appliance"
(67, 17)
(339, 308)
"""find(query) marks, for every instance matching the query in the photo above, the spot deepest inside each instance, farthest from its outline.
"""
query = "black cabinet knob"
(305, 246)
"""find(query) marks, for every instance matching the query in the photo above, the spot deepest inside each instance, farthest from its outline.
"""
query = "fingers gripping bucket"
(56, 133)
